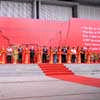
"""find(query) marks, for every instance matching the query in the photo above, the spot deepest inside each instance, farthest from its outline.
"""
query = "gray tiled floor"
(45, 88)
(89, 70)
(40, 87)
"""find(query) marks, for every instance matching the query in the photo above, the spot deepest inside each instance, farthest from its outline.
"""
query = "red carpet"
(55, 69)
(60, 72)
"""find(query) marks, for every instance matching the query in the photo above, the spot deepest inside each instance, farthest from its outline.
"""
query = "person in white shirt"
(73, 58)
(9, 55)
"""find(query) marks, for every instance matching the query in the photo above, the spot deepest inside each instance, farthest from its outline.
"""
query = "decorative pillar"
(26, 56)
(88, 56)
(69, 56)
(51, 56)
(3, 56)
(78, 56)
(59, 56)
(39, 59)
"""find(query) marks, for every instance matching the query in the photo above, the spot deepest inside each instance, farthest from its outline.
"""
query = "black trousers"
(20, 58)
(31, 58)
(9, 58)
(73, 58)
(82, 58)
(63, 58)
(44, 58)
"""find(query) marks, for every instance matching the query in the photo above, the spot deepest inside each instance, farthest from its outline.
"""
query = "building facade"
(60, 10)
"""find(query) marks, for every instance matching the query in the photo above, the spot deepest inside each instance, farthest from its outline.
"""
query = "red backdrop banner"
(84, 33)
(75, 32)
(29, 31)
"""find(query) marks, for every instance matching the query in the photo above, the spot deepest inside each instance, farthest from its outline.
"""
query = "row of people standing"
(44, 55)
(66, 55)
(17, 55)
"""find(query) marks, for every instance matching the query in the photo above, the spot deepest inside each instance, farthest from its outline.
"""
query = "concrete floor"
(40, 87)
(45, 88)
(88, 70)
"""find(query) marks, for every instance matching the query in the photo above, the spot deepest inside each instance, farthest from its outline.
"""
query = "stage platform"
(28, 82)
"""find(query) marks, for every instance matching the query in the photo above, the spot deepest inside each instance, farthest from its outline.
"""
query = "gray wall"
(55, 12)
(89, 12)
(15, 9)
(49, 10)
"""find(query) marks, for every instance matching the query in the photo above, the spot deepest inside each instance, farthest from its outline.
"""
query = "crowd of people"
(45, 55)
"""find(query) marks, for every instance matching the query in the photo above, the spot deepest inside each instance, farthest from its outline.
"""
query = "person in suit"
(20, 50)
(55, 57)
(64, 51)
(83, 52)
(44, 54)
(32, 53)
